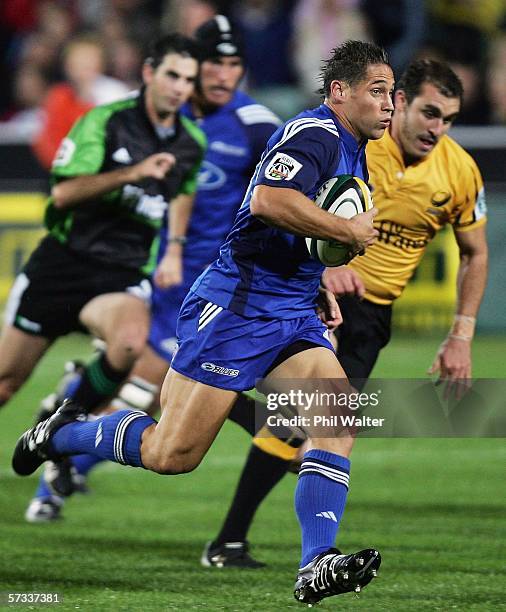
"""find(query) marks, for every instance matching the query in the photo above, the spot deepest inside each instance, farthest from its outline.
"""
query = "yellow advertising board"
(20, 231)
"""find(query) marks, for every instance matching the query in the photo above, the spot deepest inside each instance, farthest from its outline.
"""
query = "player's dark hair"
(437, 73)
(349, 63)
(172, 43)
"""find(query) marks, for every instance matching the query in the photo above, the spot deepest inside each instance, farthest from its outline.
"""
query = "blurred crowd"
(61, 57)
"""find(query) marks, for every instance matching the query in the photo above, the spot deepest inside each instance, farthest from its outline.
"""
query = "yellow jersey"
(414, 202)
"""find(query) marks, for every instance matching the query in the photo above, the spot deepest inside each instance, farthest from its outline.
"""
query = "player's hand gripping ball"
(344, 196)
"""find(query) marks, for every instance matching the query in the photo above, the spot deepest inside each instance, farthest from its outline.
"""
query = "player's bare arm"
(453, 360)
(328, 309)
(81, 188)
(170, 269)
(293, 211)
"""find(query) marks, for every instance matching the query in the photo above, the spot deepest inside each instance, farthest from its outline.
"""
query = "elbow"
(57, 194)
(259, 206)
(478, 257)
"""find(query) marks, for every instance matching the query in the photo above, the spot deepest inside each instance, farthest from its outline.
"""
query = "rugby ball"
(344, 196)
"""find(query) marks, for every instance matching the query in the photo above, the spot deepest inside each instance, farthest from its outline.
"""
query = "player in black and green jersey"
(113, 179)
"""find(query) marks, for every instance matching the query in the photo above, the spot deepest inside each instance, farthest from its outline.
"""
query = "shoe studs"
(358, 588)
(218, 561)
(374, 573)
(360, 561)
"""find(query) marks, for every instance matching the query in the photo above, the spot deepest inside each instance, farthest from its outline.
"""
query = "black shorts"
(364, 332)
(56, 283)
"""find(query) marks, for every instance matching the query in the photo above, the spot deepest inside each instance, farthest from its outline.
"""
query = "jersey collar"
(392, 146)
(187, 109)
(347, 137)
(141, 107)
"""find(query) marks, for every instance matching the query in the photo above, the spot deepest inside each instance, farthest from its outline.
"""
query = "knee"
(172, 463)
(130, 340)
(8, 387)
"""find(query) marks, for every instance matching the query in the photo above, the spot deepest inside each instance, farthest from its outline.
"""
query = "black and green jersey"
(122, 227)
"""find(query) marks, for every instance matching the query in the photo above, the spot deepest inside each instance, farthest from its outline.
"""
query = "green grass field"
(435, 508)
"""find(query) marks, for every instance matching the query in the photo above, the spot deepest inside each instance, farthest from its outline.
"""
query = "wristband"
(460, 337)
(177, 240)
(463, 325)
(466, 318)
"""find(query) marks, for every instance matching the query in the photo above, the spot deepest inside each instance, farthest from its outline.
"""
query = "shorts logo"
(169, 345)
(212, 367)
(282, 168)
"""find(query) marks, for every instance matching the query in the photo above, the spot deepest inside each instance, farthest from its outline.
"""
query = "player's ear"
(338, 90)
(147, 71)
(400, 100)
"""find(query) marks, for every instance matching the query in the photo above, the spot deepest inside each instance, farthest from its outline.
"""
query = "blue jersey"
(236, 136)
(264, 271)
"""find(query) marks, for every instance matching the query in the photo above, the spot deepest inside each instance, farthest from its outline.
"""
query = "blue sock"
(43, 491)
(116, 437)
(320, 498)
(84, 463)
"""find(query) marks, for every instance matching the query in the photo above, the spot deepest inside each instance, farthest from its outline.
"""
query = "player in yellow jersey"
(422, 180)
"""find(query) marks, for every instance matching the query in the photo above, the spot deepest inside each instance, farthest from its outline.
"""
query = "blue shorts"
(165, 307)
(226, 350)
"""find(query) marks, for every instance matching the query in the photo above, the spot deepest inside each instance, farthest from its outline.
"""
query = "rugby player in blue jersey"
(252, 315)
(237, 130)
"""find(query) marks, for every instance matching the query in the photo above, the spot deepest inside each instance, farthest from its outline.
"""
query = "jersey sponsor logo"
(122, 156)
(64, 153)
(150, 206)
(440, 198)
(210, 177)
(282, 168)
(395, 234)
(216, 369)
(228, 149)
